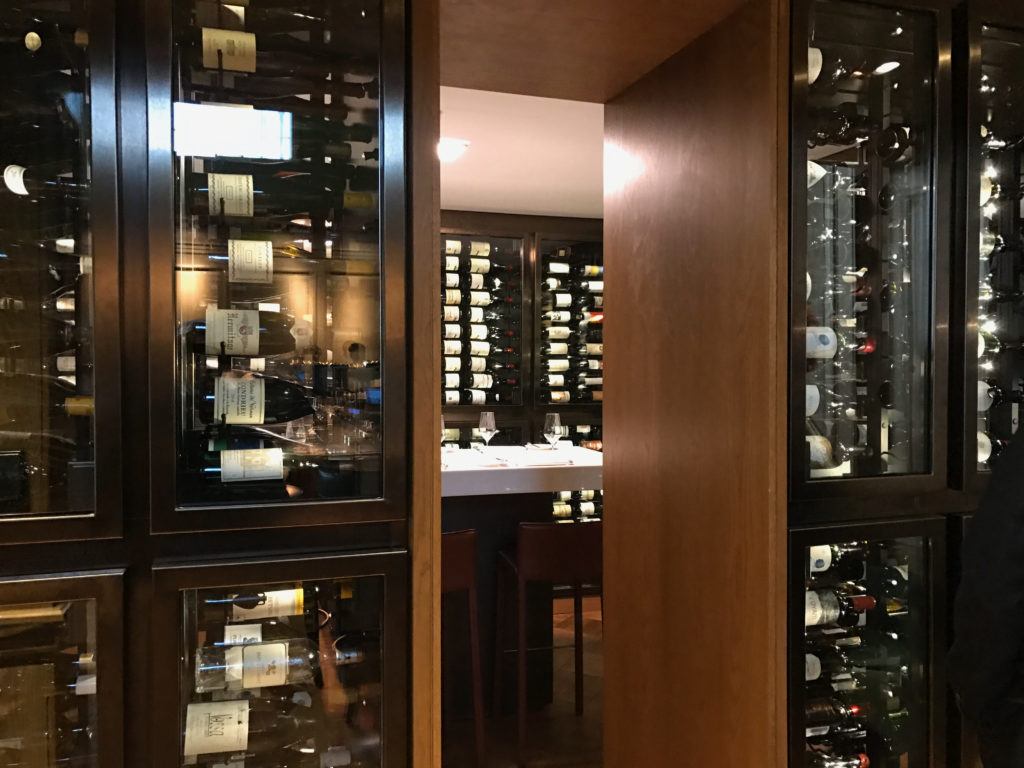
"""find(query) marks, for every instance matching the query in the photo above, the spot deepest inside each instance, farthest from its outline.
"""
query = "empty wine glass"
(552, 428)
(487, 429)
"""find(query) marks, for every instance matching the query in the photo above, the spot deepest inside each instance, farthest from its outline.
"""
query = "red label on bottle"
(862, 603)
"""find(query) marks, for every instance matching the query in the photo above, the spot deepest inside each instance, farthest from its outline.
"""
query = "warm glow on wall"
(449, 150)
(621, 168)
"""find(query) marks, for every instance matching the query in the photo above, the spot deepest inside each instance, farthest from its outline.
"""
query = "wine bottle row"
(482, 320)
(278, 255)
(46, 298)
(583, 504)
(284, 674)
(862, 703)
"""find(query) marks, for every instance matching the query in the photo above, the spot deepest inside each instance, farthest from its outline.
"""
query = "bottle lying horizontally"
(255, 665)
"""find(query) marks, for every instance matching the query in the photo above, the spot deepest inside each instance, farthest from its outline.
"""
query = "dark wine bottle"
(252, 399)
(241, 333)
(845, 606)
(255, 665)
(837, 562)
(245, 727)
(245, 196)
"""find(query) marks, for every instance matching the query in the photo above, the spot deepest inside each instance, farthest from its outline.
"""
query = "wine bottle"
(989, 447)
(815, 760)
(240, 195)
(844, 605)
(990, 394)
(554, 396)
(254, 605)
(825, 454)
(244, 727)
(241, 333)
(252, 399)
(255, 665)
(585, 395)
(839, 562)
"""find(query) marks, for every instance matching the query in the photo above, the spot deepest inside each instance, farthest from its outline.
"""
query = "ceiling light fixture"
(449, 150)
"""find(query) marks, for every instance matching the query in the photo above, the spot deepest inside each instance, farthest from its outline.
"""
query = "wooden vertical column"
(695, 403)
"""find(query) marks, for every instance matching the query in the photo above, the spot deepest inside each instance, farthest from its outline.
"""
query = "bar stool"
(458, 574)
(558, 553)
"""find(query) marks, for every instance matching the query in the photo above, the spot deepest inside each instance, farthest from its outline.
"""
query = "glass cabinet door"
(865, 686)
(570, 347)
(864, 242)
(482, 328)
(278, 291)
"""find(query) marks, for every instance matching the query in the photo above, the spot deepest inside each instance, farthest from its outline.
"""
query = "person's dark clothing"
(985, 661)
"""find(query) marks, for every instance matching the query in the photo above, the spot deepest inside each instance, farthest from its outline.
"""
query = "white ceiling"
(528, 155)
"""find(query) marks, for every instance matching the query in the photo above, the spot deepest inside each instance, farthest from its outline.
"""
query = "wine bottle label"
(583, 429)
(478, 332)
(587, 495)
(476, 281)
(236, 329)
(558, 365)
(597, 395)
(452, 330)
(563, 495)
(479, 348)
(479, 298)
(812, 399)
(243, 634)
(256, 666)
(451, 263)
(85, 685)
(558, 268)
(228, 49)
(451, 397)
(563, 299)
(595, 286)
(480, 248)
(14, 179)
(278, 602)
(65, 303)
(556, 348)
(587, 508)
(453, 247)
(557, 332)
(479, 266)
(821, 607)
(216, 726)
(820, 449)
(556, 380)
(476, 397)
(552, 283)
(598, 301)
(66, 363)
(251, 464)
(476, 314)
(984, 447)
(452, 296)
(357, 200)
(239, 399)
(820, 558)
(452, 314)
(822, 343)
(80, 405)
(451, 279)
(561, 509)
(985, 396)
(453, 347)
(482, 381)
(451, 381)
(592, 381)
(452, 364)
(589, 270)
(251, 261)
(593, 349)
(230, 194)
(560, 316)
(812, 667)
(560, 397)
(595, 365)
(477, 364)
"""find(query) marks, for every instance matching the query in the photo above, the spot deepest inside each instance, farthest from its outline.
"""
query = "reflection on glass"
(865, 698)
(570, 366)
(999, 134)
(46, 301)
(869, 139)
(284, 674)
(278, 279)
(482, 331)
(48, 676)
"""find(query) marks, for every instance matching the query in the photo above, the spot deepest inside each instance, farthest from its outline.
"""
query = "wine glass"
(487, 429)
(552, 428)
(442, 430)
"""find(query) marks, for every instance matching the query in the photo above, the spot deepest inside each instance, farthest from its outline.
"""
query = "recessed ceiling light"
(887, 67)
(449, 150)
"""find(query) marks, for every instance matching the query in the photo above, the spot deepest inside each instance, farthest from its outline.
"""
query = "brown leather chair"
(458, 574)
(556, 553)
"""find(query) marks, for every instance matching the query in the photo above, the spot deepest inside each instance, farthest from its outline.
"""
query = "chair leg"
(521, 654)
(478, 693)
(499, 640)
(577, 615)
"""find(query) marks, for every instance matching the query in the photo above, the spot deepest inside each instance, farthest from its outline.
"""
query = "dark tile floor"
(557, 738)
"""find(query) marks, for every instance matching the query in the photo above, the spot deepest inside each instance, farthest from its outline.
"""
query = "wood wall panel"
(695, 377)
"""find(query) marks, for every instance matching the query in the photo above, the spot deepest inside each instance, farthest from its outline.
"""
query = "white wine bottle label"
(595, 286)
(595, 365)
(593, 349)
(478, 332)
(820, 607)
(557, 332)
(451, 263)
(452, 296)
(243, 634)
(239, 399)
(453, 247)
(552, 283)
(586, 495)
(230, 194)
(812, 667)
(477, 397)
(558, 365)
(451, 279)
(451, 397)
(452, 314)
(985, 398)
(228, 49)
(451, 381)
(476, 314)
(559, 316)
(482, 381)
(479, 298)
(257, 665)
(587, 508)
(556, 348)
(591, 270)
(563, 495)
(820, 558)
(821, 451)
(251, 464)
(479, 248)
(558, 267)
(583, 429)
(560, 397)
(822, 343)
(452, 331)
(479, 348)
(452, 347)
(479, 266)
(216, 726)
(984, 447)
(452, 435)
(66, 363)
(563, 299)
(592, 381)
(14, 179)
(561, 509)
(251, 261)
(477, 364)
(278, 602)
(236, 329)
(556, 380)
(452, 364)
(812, 399)
(85, 685)
(476, 281)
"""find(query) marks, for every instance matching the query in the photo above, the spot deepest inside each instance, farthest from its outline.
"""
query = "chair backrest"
(458, 561)
(562, 553)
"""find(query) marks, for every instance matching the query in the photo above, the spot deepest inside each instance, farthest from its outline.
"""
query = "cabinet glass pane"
(869, 242)
(48, 710)
(482, 329)
(278, 279)
(570, 355)
(997, 144)
(46, 301)
(865, 646)
(285, 674)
